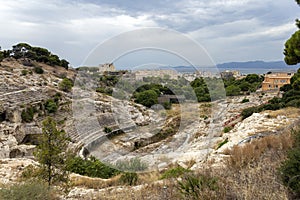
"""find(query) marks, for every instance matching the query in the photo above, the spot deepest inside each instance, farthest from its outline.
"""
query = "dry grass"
(241, 156)
(251, 169)
(154, 191)
(290, 112)
(93, 183)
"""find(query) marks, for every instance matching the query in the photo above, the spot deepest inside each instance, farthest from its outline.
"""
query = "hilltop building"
(275, 80)
(107, 67)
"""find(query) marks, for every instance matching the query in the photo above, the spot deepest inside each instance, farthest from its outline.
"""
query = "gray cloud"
(231, 30)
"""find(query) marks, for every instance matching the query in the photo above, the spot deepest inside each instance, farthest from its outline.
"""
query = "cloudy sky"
(229, 30)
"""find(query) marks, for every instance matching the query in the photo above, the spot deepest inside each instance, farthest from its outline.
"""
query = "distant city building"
(275, 80)
(162, 73)
(228, 74)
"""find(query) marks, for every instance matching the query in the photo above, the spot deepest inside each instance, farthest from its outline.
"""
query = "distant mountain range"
(258, 67)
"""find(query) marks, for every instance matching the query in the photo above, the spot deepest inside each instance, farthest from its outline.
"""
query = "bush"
(24, 72)
(134, 164)
(91, 167)
(222, 143)
(167, 105)
(249, 111)
(27, 191)
(105, 90)
(51, 106)
(227, 129)
(66, 85)
(38, 70)
(147, 98)
(129, 178)
(290, 168)
(245, 100)
(233, 90)
(174, 172)
(27, 114)
(107, 129)
(199, 186)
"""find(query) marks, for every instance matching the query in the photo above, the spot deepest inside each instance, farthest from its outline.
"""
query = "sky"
(228, 30)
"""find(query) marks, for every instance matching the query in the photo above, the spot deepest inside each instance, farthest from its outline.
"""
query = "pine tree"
(51, 153)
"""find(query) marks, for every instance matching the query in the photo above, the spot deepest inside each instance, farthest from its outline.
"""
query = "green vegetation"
(38, 70)
(227, 129)
(289, 170)
(27, 114)
(290, 98)
(133, 164)
(292, 46)
(66, 85)
(233, 90)
(222, 143)
(107, 129)
(147, 98)
(24, 50)
(248, 84)
(27, 191)
(174, 172)
(51, 153)
(129, 178)
(24, 72)
(245, 100)
(199, 186)
(51, 106)
(91, 167)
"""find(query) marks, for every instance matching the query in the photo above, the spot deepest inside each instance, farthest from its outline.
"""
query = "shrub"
(222, 143)
(51, 106)
(249, 111)
(133, 164)
(245, 100)
(199, 186)
(105, 90)
(290, 170)
(38, 70)
(66, 85)
(27, 114)
(107, 129)
(147, 98)
(174, 172)
(91, 167)
(24, 72)
(167, 105)
(227, 129)
(27, 191)
(129, 178)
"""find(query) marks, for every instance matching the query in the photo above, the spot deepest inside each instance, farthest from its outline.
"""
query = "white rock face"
(7, 142)
(11, 168)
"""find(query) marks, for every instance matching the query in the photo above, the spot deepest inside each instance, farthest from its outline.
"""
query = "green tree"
(292, 49)
(233, 90)
(252, 78)
(51, 153)
(64, 63)
(147, 98)
(292, 46)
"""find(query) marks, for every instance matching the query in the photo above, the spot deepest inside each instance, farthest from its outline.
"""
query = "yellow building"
(275, 80)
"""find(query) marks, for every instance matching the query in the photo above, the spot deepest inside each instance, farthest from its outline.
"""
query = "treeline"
(146, 92)
(24, 50)
(290, 98)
